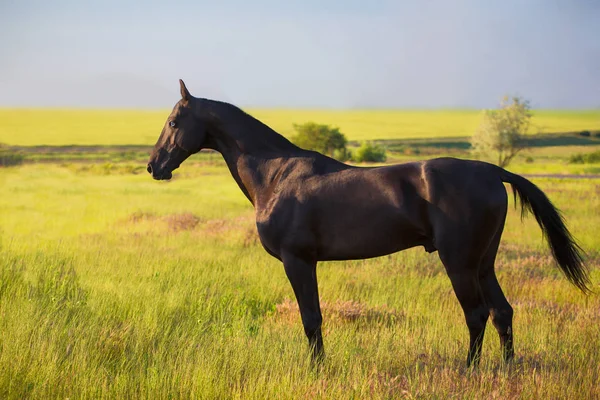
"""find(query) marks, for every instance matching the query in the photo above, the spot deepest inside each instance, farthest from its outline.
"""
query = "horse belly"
(361, 235)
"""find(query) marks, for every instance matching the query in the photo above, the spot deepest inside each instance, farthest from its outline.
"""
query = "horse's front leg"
(302, 274)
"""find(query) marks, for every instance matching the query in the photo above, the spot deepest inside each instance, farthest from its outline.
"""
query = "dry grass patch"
(243, 225)
(140, 216)
(174, 222)
(341, 311)
(241, 230)
(182, 222)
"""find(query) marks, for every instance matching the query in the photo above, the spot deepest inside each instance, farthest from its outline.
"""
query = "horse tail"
(565, 250)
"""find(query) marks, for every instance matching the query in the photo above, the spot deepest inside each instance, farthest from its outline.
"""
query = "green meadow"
(113, 285)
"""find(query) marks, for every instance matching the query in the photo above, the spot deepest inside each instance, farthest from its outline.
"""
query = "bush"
(9, 157)
(585, 133)
(593, 157)
(369, 152)
(576, 159)
(585, 158)
(342, 154)
(412, 151)
(322, 138)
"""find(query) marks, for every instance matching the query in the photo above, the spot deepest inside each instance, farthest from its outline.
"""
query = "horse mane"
(243, 127)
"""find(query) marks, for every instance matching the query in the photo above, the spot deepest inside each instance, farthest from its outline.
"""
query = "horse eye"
(172, 124)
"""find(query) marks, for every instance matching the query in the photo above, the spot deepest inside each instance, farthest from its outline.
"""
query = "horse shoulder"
(283, 221)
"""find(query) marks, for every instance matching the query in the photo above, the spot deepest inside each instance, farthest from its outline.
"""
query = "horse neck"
(253, 151)
(250, 135)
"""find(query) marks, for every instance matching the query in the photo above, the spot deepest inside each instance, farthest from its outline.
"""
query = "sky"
(300, 54)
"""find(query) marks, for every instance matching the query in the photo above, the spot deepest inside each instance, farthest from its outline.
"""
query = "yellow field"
(117, 127)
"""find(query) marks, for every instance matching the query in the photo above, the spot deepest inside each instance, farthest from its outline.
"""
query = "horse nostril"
(149, 169)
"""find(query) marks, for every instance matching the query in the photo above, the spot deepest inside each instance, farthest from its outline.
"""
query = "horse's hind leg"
(461, 259)
(500, 310)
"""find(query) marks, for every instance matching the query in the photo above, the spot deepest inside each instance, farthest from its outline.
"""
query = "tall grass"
(115, 286)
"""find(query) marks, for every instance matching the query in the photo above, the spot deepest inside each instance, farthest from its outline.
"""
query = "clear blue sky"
(309, 53)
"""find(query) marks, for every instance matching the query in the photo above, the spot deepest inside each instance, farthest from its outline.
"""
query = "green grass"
(30, 127)
(117, 286)
(113, 285)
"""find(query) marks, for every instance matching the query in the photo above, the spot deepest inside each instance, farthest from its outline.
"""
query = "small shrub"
(585, 158)
(576, 159)
(9, 157)
(529, 159)
(369, 152)
(585, 133)
(401, 149)
(342, 154)
(593, 157)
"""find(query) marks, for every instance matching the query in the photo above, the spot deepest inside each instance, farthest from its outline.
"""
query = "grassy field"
(96, 127)
(113, 285)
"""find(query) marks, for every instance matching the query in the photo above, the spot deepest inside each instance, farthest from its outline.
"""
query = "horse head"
(183, 134)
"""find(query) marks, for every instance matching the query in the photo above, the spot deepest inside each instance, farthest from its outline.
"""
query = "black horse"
(312, 208)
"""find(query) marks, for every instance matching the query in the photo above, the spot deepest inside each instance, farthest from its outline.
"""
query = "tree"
(501, 132)
(322, 138)
(369, 152)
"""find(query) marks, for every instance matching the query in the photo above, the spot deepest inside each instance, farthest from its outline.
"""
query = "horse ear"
(185, 95)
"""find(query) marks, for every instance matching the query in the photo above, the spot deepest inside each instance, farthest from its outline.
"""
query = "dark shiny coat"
(312, 208)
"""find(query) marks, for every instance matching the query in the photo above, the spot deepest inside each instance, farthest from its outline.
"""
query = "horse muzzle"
(158, 174)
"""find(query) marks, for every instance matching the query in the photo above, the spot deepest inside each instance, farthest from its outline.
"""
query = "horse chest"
(281, 227)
